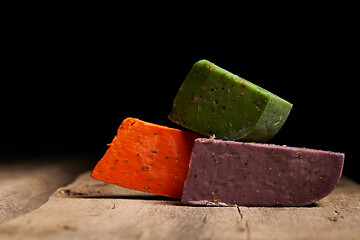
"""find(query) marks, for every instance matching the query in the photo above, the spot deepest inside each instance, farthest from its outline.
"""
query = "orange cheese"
(147, 157)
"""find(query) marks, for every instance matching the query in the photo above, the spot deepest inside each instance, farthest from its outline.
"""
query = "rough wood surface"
(26, 185)
(89, 209)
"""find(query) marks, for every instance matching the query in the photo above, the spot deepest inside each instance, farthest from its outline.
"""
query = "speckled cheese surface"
(212, 100)
(227, 173)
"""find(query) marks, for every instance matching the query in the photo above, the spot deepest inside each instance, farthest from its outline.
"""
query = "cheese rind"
(225, 173)
(212, 100)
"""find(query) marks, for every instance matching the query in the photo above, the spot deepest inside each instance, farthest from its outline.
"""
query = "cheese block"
(227, 173)
(212, 100)
(147, 157)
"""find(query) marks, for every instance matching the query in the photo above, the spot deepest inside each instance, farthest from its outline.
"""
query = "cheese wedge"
(227, 173)
(147, 157)
(212, 100)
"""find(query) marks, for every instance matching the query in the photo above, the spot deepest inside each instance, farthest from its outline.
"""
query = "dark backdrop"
(66, 85)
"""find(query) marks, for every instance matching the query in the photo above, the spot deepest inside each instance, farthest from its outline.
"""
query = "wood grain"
(26, 185)
(89, 209)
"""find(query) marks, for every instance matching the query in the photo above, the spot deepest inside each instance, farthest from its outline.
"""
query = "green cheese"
(212, 100)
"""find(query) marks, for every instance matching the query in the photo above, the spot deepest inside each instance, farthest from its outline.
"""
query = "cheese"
(227, 173)
(147, 157)
(212, 100)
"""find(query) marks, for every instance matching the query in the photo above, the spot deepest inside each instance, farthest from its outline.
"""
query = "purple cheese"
(227, 173)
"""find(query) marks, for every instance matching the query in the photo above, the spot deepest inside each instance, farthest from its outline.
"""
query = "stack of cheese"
(199, 169)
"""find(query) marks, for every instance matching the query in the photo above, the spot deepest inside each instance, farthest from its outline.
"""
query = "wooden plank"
(335, 217)
(89, 209)
(27, 184)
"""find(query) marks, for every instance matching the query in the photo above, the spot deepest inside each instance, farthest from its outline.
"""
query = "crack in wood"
(247, 230)
(247, 227)
(241, 216)
(204, 220)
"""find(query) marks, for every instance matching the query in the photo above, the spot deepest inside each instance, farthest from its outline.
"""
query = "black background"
(66, 85)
